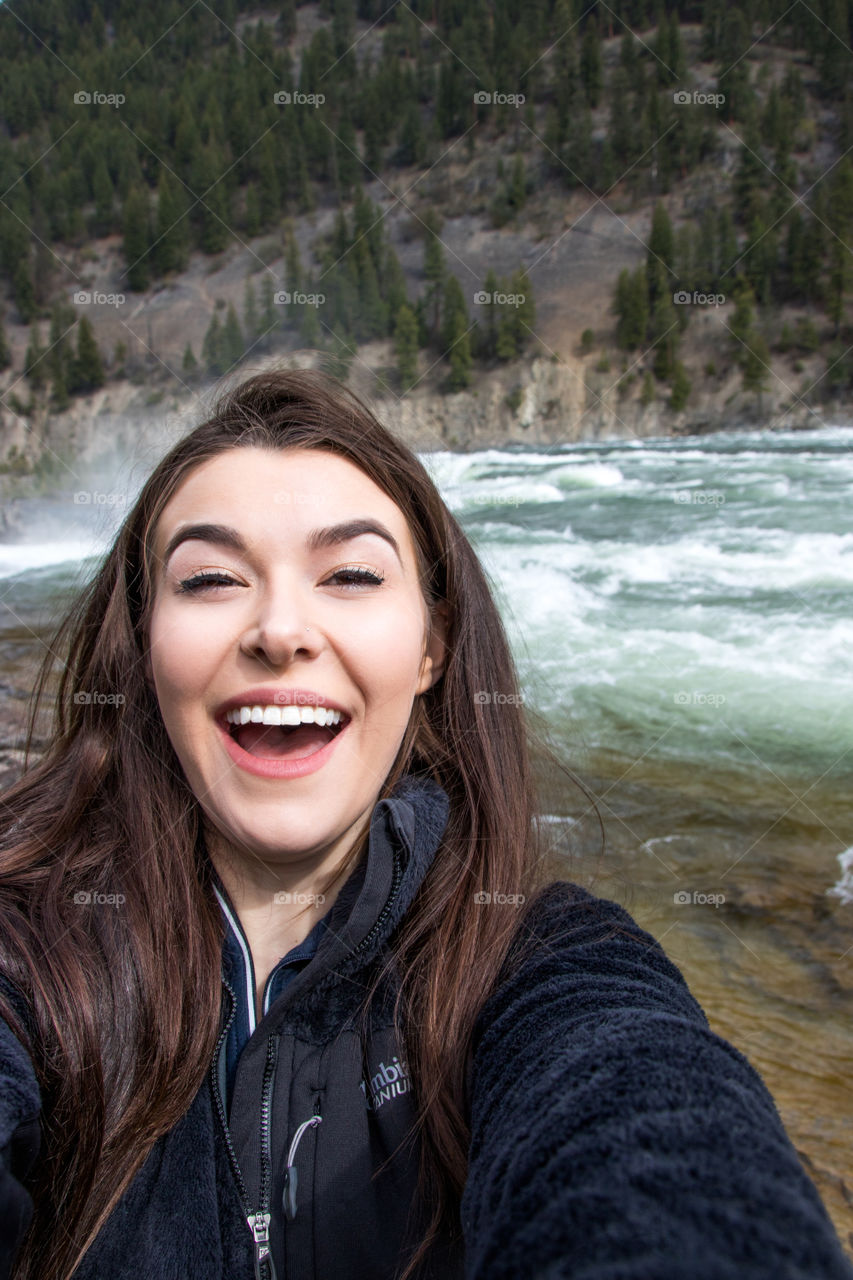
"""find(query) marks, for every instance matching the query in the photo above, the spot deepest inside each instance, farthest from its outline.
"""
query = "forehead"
(268, 493)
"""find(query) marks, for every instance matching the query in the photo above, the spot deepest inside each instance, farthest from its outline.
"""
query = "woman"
(290, 987)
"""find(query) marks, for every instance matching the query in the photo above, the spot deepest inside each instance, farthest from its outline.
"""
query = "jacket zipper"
(386, 910)
(259, 1222)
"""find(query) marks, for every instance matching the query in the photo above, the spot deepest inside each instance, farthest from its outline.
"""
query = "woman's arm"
(615, 1136)
(20, 1105)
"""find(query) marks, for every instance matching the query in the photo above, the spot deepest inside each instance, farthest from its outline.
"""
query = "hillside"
(658, 205)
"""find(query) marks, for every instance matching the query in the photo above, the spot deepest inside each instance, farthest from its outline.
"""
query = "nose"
(279, 633)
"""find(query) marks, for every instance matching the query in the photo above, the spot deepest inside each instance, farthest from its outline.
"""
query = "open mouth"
(283, 742)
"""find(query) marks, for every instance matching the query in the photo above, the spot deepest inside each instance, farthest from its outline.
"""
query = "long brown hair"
(123, 1005)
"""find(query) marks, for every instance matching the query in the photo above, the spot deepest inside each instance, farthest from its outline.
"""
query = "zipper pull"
(260, 1227)
(288, 1195)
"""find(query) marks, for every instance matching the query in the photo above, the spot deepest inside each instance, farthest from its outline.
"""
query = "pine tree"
(269, 316)
(631, 304)
(23, 290)
(189, 364)
(517, 193)
(35, 365)
(250, 311)
(664, 336)
(740, 325)
(592, 76)
(460, 355)
(434, 269)
(102, 186)
(660, 257)
(88, 366)
(5, 353)
(212, 351)
(840, 221)
(680, 387)
(452, 307)
(756, 366)
(406, 346)
(171, 247)
(137, 239)
(233, 346)
(339, 359)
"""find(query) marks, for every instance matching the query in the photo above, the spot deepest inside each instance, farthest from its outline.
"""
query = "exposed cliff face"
(113, 438)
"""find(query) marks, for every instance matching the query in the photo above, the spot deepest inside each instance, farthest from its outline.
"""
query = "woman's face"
(287, 581)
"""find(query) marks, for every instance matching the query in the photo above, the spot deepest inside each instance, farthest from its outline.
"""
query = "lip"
(283, 768)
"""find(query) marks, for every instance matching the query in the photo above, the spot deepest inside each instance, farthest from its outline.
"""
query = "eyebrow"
(223, 535)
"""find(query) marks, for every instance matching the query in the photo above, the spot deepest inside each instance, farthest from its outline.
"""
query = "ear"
(435, 653)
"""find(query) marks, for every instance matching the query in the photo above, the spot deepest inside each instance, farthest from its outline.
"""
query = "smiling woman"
(289, 985)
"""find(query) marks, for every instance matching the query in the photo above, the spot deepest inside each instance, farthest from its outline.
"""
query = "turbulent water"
(682, 617)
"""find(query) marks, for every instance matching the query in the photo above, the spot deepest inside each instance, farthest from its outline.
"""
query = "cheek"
(182, 654)
(388, 651)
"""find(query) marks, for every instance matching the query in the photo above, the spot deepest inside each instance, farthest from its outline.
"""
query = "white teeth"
(282, 715)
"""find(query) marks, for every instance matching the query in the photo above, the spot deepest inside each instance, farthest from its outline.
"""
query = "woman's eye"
(356, 576)
(201, 580)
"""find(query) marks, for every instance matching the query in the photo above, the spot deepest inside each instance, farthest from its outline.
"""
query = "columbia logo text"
(389, 1082)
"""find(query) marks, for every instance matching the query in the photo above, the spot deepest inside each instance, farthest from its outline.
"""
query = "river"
(682, 617)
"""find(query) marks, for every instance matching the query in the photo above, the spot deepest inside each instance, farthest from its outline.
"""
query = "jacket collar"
(405, 832)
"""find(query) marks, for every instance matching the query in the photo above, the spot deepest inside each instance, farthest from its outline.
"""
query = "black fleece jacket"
(614, 1135)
